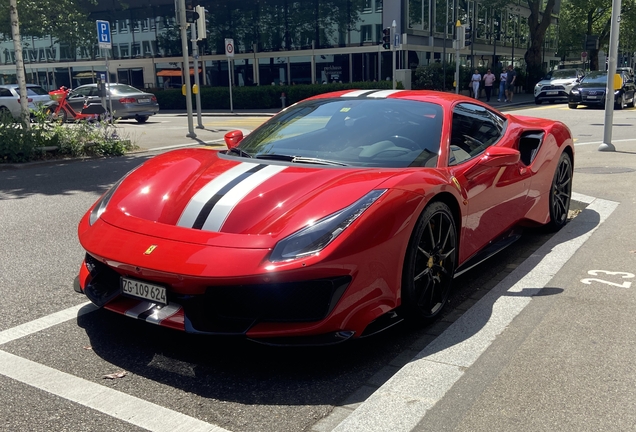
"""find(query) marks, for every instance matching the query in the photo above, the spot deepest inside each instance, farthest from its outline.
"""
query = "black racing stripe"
(207, 208)
(146, 314)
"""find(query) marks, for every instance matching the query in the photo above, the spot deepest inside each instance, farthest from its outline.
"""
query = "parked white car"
(10, 98)
(557, 85)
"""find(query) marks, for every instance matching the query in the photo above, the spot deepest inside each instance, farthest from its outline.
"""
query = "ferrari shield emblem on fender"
(457, 185)
(150, 249)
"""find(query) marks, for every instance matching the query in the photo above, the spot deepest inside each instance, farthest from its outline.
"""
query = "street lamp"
(393, 26)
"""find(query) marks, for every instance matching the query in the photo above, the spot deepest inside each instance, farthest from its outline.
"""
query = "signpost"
(229, 52)
(104, 41)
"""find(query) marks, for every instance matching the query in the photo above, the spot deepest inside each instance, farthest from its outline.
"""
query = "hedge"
(257, 97)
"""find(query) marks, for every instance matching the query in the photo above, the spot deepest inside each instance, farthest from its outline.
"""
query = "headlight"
(315, 237)
(100, 207)
(574, 91)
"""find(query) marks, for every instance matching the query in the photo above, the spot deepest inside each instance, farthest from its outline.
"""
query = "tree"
(538, 23)
(64, 20)
(19, 63)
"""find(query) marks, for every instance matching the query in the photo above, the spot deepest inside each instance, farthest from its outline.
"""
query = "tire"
(538, 101)
(141, 119)
(5, 113)
(560, 193)
(621, 102)
(572, 105)
(429, 264)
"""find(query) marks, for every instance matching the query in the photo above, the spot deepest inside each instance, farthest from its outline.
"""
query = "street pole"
(393, 26)
(444, 50)
(195, 56)
(609, 90)
(458, 24)
(180, 4)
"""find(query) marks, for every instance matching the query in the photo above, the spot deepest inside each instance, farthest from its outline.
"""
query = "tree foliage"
(64, 20)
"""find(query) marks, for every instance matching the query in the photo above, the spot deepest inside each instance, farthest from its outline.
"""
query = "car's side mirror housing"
(233, 138)
(500, 156)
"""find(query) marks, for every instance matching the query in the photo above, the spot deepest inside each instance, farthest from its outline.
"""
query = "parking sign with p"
(103, 34)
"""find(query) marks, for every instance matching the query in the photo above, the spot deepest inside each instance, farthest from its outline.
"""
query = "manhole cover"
(604, 170)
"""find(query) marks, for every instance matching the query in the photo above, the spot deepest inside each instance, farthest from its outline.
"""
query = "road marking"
(601, 142)
(116, 404)
(87, 393)
(402, 402)
(45, 322)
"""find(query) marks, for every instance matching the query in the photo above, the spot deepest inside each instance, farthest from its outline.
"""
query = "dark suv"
(591, 91)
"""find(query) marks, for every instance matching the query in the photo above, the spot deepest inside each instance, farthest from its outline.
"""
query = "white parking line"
(402, 402)
(116, 404)
(87, 393)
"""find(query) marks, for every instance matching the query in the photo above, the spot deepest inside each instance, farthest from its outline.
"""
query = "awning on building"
(174, 72)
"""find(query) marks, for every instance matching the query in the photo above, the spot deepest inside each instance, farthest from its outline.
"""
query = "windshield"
(563, 73)
(123, 89)
(596, 77)
(353, 132)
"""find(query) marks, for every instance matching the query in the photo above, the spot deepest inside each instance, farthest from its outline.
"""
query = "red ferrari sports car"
(338, 217)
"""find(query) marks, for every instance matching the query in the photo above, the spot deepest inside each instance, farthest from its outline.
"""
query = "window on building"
(124, 50)
(367, 33)
(136, 49)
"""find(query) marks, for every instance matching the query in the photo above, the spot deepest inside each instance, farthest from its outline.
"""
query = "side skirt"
(493, 247)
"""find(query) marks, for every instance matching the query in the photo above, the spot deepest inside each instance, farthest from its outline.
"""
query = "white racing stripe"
(194, 207)
(114, 403)
(383, 93)
(356, 93)
(224, 207)
(165, 312)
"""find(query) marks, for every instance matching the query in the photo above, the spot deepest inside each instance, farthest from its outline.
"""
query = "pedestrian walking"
(502, 86)
(510, 82)
(489, 79)
(475, 81)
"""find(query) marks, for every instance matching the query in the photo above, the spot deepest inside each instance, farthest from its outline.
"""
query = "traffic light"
(386, 38)
(191, 16)
(468, 36)
(201, 27)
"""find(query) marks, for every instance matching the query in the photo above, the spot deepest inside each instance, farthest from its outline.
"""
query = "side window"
(474, 129)
(80, 93)
(5, 92)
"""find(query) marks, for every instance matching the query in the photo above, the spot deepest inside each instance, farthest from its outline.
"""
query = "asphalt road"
(53, 359)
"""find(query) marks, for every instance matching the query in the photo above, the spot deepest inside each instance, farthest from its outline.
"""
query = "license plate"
(144, 290)
(550, 93)
(143, 100)
(592, 97)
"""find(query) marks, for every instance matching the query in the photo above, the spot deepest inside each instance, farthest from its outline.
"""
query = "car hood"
(560, 81)
(201, 196)
(592, 85)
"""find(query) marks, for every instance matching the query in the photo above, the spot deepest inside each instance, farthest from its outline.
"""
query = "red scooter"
(59, 108)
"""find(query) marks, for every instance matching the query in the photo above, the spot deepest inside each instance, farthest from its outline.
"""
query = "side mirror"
(233, 138)
(500, 156)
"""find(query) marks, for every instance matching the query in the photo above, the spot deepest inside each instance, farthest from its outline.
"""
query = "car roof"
(16, 85)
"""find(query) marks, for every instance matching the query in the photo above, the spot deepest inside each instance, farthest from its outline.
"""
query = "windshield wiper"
(299, 159)
(317, 161)
(239, 152)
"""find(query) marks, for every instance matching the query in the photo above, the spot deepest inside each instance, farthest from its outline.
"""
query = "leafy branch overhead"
(44, 17)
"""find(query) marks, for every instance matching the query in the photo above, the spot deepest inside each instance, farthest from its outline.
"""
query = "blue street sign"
(103, 34)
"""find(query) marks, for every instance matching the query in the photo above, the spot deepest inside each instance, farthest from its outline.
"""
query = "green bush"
(431, 77)
(18, 144)
(257, 97)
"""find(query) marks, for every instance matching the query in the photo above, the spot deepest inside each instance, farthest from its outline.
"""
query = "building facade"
(279, 41)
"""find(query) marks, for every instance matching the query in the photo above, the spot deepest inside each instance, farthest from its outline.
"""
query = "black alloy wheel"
(560, 193)
(429, 264)
(141, 119)
(572, 105)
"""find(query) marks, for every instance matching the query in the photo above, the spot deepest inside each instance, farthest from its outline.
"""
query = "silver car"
(128, 102)
(10, 98)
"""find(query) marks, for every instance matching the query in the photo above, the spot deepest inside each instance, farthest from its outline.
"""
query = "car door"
(77, 97)
(495, 193)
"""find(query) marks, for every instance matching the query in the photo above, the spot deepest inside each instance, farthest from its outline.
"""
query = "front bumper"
(221, 310)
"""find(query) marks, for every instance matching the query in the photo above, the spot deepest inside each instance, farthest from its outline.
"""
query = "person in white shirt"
(474, 82)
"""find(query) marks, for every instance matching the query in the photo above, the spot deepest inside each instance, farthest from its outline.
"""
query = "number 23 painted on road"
(623, 275)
